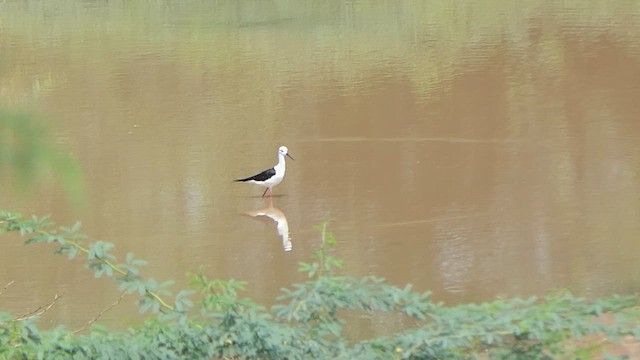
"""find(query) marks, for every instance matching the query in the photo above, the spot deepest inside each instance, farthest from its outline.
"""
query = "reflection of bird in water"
(281, 223)
(271, 177)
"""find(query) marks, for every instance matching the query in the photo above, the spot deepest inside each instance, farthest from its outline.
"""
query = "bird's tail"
(242, 180)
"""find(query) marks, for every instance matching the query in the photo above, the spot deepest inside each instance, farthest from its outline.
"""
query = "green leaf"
(76, 226)
(145, 306)
(73, 251)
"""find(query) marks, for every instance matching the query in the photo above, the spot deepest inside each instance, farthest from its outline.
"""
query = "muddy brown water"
(471, 151)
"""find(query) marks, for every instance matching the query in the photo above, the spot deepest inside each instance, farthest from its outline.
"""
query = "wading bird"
(270, 177)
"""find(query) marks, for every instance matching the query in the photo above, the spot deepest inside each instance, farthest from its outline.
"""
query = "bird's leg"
(265, 192)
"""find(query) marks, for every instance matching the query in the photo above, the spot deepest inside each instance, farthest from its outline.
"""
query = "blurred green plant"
(309, 320)
(27, 155)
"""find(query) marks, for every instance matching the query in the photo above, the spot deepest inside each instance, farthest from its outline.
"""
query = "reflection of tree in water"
(282, 225)
(258, 13)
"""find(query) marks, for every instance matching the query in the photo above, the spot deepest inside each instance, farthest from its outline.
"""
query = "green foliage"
(28, 154)
(308, 322)
(99, 258)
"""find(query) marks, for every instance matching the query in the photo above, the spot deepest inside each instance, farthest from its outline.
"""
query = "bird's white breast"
(277, 178)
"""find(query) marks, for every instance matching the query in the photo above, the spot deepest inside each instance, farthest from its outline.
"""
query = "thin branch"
(114, 304)
(6, 286)
(41, 310)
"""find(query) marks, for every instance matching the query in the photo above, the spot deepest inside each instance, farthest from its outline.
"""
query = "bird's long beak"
(290, 157)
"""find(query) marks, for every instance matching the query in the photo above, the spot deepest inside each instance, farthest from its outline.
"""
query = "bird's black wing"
(265, 175)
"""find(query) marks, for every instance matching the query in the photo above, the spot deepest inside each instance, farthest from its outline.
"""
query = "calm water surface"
(472, 150)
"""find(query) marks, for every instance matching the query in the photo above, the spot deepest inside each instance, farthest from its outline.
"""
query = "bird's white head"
(284, 152)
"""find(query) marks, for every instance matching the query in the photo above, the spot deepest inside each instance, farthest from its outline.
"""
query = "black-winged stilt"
(271, 177)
